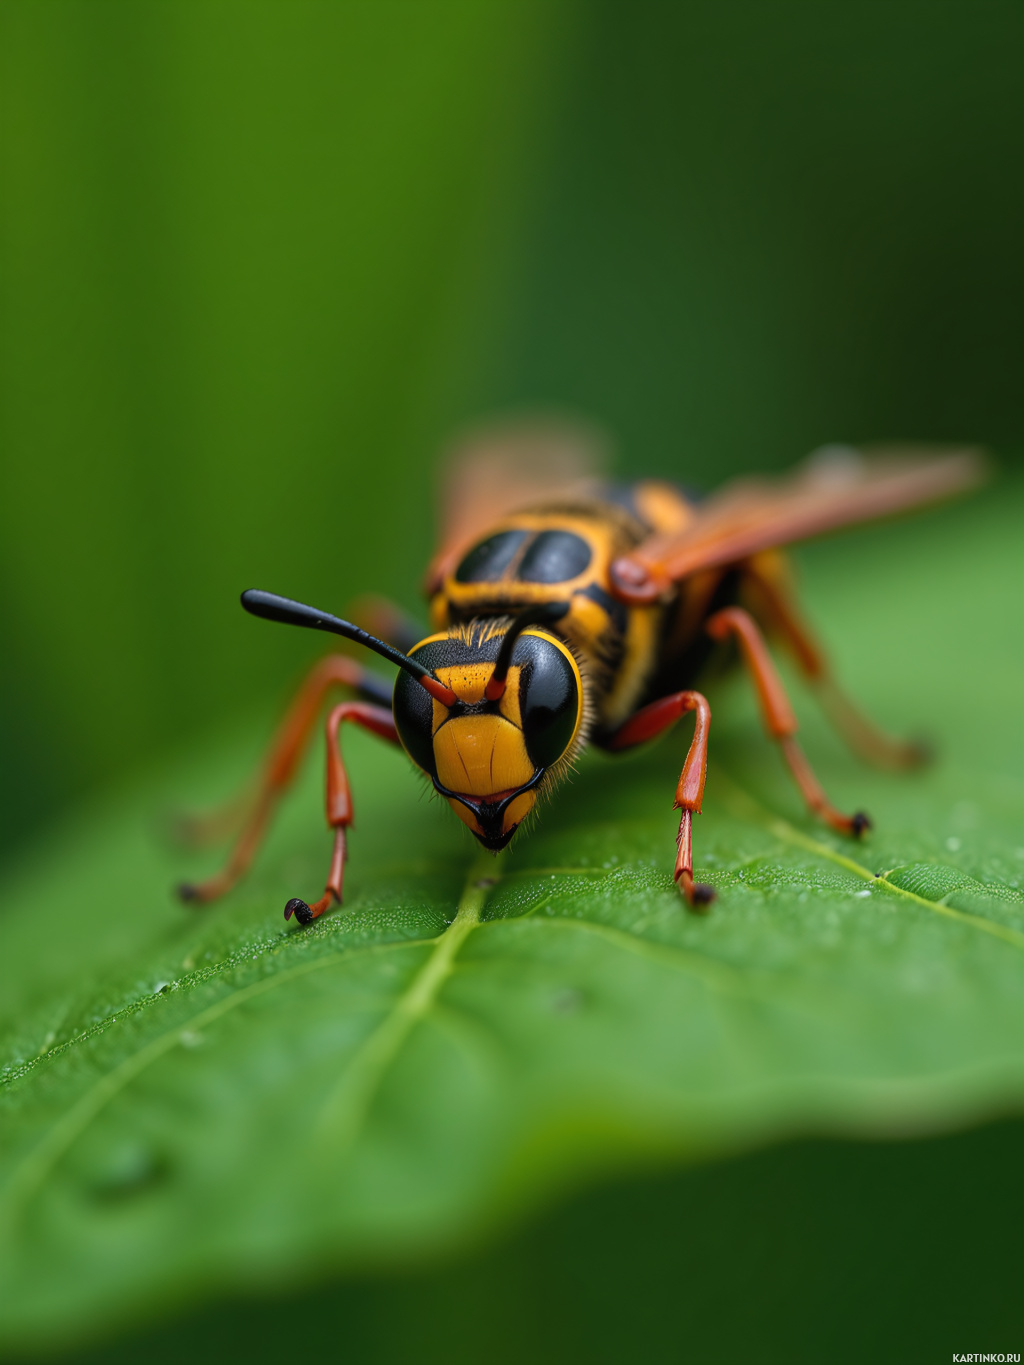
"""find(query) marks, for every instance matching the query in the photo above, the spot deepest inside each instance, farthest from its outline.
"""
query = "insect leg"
(644, 725)
(861, 735)
(288, 746)
(379, 721)
(777, 714)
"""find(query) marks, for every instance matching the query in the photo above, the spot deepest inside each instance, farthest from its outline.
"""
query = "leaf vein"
(347, 1108)
(787, 833)
(35, 1167)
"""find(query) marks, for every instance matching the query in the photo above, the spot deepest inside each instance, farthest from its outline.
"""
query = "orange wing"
(501, 469)
(837, 487)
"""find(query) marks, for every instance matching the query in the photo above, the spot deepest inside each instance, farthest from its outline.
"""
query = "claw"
(703, 895)
(300, 909)
(859, 823)
(201, 893)
(198, 894)
(698, 895)
(919, 752)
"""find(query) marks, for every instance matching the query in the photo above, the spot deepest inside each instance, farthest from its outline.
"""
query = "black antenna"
(544, 613)
(274, 608)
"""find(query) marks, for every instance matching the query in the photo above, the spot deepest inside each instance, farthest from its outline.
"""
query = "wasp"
(569, 610)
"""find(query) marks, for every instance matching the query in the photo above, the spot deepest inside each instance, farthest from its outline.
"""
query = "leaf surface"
(193, 1101)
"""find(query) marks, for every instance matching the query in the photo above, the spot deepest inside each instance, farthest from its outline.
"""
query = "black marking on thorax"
(488, 561)
(618, 612)
(685, 665)
(549, 557)
(554, 557)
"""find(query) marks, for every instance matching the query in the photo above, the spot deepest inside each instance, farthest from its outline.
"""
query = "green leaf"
(193, 1101)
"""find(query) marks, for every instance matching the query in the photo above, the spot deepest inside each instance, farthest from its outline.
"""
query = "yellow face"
(489, 758)
(483, 754)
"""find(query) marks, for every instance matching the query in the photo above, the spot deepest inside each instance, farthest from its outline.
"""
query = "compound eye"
(414, 721)
(549, 703)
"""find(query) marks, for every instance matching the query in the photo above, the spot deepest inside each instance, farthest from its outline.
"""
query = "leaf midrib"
(345, 1110)
(740, 800)
(371, 1060)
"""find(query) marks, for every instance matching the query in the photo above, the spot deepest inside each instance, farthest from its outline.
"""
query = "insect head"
(491, 711)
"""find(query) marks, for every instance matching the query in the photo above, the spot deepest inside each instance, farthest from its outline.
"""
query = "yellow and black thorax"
(565, 552)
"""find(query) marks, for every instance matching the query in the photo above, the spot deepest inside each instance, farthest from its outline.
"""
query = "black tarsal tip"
(188, 892)
(922, 751)
(703, 895)
(859, 824)
(300, 910)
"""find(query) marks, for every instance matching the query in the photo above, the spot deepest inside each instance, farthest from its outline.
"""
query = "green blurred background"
(260, 259)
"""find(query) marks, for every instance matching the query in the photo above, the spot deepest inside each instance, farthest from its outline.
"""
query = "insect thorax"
(564, 552)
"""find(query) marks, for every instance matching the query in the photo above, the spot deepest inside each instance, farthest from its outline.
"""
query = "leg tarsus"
(201, 893)
(777, 714)
(768, 576)
(863, 737)
(651, 720)
(300, 909)
(200, 830)
(304, 912)
(814, 793)
(698, 895)
(287, 749)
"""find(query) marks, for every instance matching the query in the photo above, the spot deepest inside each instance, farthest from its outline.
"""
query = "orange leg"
(377, 615)
(651, 721)
(777, 714)
(861, 735)
(379, 721)
(285, 753)
(198, 829)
